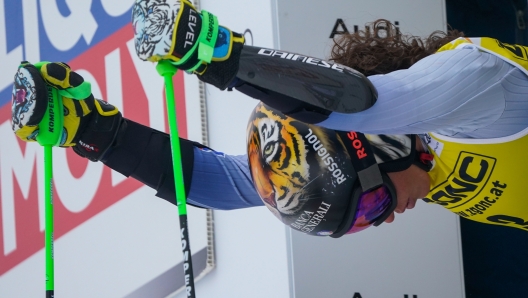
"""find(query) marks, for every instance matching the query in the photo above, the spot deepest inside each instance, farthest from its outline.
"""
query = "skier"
(439, 120)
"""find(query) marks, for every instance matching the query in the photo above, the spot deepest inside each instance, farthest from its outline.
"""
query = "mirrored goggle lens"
(371, 207)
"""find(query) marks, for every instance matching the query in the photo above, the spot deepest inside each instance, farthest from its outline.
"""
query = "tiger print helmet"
(315, 180)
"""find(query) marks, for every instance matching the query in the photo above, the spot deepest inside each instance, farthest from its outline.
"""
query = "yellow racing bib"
(481, 179)
(516, 55)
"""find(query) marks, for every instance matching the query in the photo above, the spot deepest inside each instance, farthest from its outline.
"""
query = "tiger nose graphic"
(270, 200)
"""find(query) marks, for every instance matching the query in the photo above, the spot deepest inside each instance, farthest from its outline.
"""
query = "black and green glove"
(89, 125)
(192, 41)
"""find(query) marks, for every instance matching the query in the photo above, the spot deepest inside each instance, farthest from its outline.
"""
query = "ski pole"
(48, 232)
(50, 129)
(167, 71)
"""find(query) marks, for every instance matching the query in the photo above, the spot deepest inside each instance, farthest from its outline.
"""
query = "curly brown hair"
(385, 49)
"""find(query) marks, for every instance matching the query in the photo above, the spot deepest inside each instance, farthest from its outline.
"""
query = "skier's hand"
(30, 99)
(173, 31)
(81, 113)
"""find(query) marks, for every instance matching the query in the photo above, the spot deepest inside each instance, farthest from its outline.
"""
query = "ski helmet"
(324, 182)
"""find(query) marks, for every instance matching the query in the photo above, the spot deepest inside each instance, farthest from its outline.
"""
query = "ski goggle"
(368, 208)
(373, 208)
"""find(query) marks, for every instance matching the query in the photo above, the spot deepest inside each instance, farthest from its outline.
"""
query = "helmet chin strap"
(423, 160)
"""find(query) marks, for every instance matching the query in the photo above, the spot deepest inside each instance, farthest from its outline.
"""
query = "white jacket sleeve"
(457, 92)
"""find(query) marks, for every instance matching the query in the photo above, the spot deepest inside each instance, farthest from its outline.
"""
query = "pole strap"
(205, 44)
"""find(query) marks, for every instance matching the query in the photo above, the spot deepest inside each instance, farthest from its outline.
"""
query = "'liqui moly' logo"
(104, 55)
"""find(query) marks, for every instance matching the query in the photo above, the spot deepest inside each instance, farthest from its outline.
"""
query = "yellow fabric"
(453, 44)
(516, 55)
(64, 83)
(483, 179)
(71, 121)
(25, 133)
(85, 108)
(112, 112)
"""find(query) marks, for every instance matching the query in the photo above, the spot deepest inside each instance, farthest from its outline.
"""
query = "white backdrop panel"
(419, 254)
(250, 244)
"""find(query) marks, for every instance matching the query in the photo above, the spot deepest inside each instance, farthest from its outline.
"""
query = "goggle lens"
(372, 205)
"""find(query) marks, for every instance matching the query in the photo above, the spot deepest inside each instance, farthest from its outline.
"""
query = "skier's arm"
(97, 131)
(451, 92)
(462, 92)
(212, 179)
(316, 86)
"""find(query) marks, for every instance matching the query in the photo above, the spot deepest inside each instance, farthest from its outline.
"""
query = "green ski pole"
(205, 49)
(167, 71)
(50, 129)
(49, 229)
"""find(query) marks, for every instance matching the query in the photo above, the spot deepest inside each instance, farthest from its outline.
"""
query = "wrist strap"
(205, 43)
(80, 92)
(51, 125)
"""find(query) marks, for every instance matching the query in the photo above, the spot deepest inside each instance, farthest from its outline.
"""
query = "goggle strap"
(370, 178)
(394, 203)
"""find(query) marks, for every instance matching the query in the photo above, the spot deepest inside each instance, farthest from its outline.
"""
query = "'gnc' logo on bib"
(470, 175)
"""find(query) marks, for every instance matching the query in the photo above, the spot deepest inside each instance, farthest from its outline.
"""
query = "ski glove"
(192, 41)
(89, 125)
